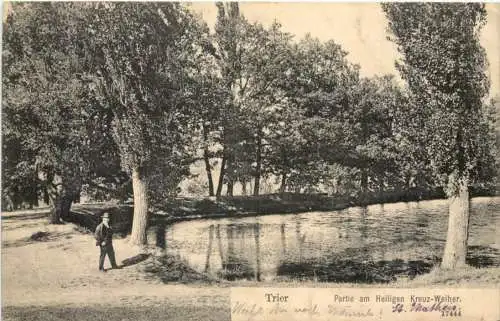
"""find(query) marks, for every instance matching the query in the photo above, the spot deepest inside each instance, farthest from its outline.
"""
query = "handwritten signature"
(439, 307)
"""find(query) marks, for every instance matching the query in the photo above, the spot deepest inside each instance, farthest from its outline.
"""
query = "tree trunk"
(364, 185)
(455, 250)
(139, 223)
(256, 186)
(77, 196)
(46, 196)
(364, 180)
(55, 214)
(33, 196)
(66, 202)
(208, 168)
(409, 181)
(381, 187)
(230, 186)
(230, 174)
(61, 206)
(244, 188)
(221, 176)
(56, 198)
(209, 173)
(335, 189)
(283, 183)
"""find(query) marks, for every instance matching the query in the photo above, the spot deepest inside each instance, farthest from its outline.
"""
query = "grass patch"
(470, 276)
(170, 269)
(113, 313)
(39, 236)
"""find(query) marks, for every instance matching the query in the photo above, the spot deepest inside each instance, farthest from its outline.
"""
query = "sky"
(360, 28)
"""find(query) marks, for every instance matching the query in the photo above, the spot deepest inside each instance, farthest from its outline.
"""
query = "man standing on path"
(104, 239)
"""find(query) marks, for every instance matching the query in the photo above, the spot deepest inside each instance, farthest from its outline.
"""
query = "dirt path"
(57, 275)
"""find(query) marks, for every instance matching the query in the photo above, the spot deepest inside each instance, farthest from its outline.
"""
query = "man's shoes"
(116, 267)
(102, 270)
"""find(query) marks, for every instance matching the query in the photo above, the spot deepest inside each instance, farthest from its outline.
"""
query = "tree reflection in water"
(219, 244)
(283, 240)
(234, 265)
(257, 251)
(373, 244)
(161, 234)
(209, 247)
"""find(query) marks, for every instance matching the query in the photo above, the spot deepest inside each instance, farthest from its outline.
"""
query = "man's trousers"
(107, 250)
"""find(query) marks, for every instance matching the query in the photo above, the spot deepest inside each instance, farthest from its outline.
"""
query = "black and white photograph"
(159, 158)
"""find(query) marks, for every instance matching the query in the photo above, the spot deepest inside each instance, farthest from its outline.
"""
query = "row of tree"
(124, 97)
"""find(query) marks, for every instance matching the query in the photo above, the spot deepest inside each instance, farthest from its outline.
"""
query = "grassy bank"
(180, 209)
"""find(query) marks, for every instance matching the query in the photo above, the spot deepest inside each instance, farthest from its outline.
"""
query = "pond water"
(374, 244)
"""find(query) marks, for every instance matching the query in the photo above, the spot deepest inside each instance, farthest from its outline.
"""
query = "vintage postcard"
(250, 161)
